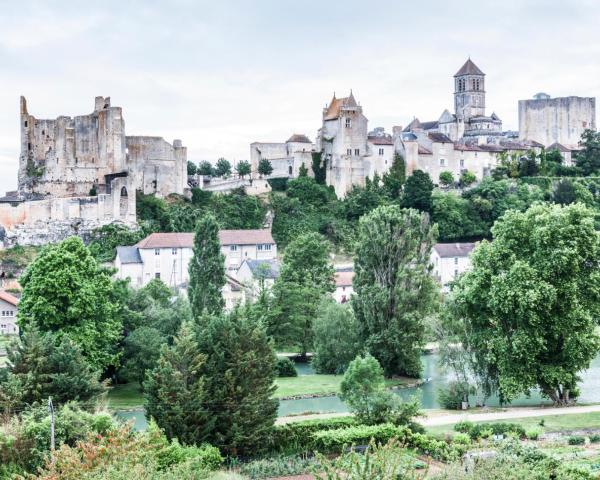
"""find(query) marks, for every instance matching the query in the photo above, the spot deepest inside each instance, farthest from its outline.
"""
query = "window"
(462, 162)
(442, 162)
(381, 151)
(259, 247)
(28, 146)
(290, 170)
(26, 123)
(267, 246)
(174, 251)
(455, 260)
(157, 275)
(157, 251)
(357, 151)
(455, 273)
(348, 123)
(233, 248)
(348, 151)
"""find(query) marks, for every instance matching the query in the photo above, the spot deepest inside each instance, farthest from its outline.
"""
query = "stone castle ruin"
(79, 173)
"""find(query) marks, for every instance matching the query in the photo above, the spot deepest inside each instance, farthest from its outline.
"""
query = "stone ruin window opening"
(29, 146)
(25, 123)
(124, 203)
(290, 170)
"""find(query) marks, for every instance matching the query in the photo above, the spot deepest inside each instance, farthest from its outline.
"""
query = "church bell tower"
(469, 91)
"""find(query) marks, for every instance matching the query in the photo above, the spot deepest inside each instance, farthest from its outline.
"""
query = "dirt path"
(436, 418)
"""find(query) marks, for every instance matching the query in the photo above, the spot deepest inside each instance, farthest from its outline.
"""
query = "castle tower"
(469, 91)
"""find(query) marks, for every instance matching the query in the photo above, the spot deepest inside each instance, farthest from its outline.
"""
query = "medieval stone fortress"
(79, 173)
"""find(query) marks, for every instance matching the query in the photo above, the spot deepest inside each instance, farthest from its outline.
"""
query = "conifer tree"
(239, 373)
(206, 269)
(174, 390)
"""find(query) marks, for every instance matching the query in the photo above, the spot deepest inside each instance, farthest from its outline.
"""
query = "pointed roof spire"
(469, 68)
(351, 100)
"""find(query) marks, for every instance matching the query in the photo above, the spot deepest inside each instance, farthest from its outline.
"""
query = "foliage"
(533, 433)
(222, 168)
(335, 440)
(417, 191)
(174, 391)
(393, 287)
(588, 158)
(205, 168)
(452, 395)
(43, 365)
(394, 179)
(477, 431)
(278, 466)
(531, 299)
(278, 184)
(243, 168)
(564, 192)
(66, 292)
(286, 368)
(446, 179)
(576, 440)
(265, 167)
(105, 240)
(206, 269)
(319, 167)
(456, 218)
(336, 337)
(239, 373)
(363, 390)
(152, 213)
(467, 178)
(141, 352)
(191, 168)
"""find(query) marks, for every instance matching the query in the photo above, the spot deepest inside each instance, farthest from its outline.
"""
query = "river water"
(427, 393)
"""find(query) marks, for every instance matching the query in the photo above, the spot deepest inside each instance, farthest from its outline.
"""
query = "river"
(427, 392)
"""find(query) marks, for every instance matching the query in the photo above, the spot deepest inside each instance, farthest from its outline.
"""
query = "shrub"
(461, 439)
(497, 429)
(533, 433)
(464, 426)
(595, 438)
(298, 436)
(278, 466)
(204, 457)
(452, 396)
(576, 440)
(286, 368)
(336, 440)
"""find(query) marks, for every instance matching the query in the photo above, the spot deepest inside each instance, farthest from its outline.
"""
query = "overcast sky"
(222, 74)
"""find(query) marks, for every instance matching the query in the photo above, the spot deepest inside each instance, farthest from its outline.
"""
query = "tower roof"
(469, 68)
(333, 110)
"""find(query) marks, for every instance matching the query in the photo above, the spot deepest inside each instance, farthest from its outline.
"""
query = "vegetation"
(191, 168)
(264, 167)
(105, 240)
(205, 168)
(222, 168)
(286, 368)
(417, 192)
(446, 179)
(243, 168)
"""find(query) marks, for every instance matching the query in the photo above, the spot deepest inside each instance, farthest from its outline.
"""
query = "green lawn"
(124, 396)
(552, 423)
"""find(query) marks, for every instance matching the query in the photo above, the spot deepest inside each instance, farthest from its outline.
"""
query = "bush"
(594, 438)
(461, 439)
(286, 368)
(478, 430)
(298, 436)
(205, 457)
(576, 440)
(278, 466)
(336, 440)
(533, 433)
(451, 397)
(464, 426)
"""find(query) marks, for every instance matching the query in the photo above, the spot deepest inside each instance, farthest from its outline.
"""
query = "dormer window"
(348, 122)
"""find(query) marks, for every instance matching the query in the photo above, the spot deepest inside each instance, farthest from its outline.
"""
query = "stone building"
(286, 158)
(559, 120)
(9, 305)
(449, 260)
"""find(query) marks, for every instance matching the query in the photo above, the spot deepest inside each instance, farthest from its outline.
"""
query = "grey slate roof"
(454, 249)
(269, 270)
(469, 68)
(129, 254)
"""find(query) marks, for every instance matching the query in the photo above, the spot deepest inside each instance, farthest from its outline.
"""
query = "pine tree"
(239, 373)
(174, 391)
(395, 178)
(207, 270)
(417, 191)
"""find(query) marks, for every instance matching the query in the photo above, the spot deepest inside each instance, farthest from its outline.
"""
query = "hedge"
(298, 436)
(335, 440)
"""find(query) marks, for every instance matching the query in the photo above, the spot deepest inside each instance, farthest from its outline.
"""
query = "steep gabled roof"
(469, 68)
(387, 140)
(333, 110)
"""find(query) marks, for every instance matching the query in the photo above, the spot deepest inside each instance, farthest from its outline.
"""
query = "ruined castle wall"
(561, 120)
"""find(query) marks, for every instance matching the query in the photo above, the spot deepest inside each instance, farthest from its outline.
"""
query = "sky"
(220, 75)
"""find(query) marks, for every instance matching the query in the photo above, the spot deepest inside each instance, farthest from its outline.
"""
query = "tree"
(223, 168)
(564, 192)
(264, 167)
(336, 337)
(306, 276)
(363, 390)
(417, 191)
(528, 165)
(446, 179)
(44, 365)
(531, 301)
(303, 171)
(191, 168)
(239, 373)
(395, 178)
(174, 392)
(243, 168)
(467, 178)
(393, 287)
(141, 352)
(206, 269)
(456, 218)
(588, 158)
(319, 168)
(66, 292)
(205, 168)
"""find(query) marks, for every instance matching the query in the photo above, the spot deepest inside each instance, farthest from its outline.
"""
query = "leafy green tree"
(206, 269)
(363, 390)
(141, 352)
(191, 168)
(336, 337)
(319, 168)
(394, 179)
(205, 168)
(183, 217)
(306, 260)
(44, 365)
(456, 218)
(153, 213)
(243, 168)
(303, 171)
(223, 168)
(239, 373)
(588, 158)
(417, 191)
(446, 179)
(264, 167)
(564, 192)
(174, 391)
(393, 287)
(531, 300)
(66, 292)
(467, 178)
(360, 201)
(528, 165)
(238, 210)
(105, 240)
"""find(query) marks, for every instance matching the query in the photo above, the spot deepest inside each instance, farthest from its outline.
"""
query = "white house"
(343, 285)
(167, 255)
(8, 314)
(254, 272)
(234, 293)
(449, 260)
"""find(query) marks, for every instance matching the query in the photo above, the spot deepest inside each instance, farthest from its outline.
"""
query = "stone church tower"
(469, 91)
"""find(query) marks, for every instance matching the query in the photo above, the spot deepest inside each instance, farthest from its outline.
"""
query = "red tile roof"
(186, 240)
(245, 237)
(333, 110)
(7, 297)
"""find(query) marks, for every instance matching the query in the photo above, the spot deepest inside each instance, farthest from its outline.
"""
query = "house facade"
(258, 274)
(343, 285)
(449, 260)
(8, 314)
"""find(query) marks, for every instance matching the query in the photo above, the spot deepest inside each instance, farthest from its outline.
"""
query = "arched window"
(291, 170)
